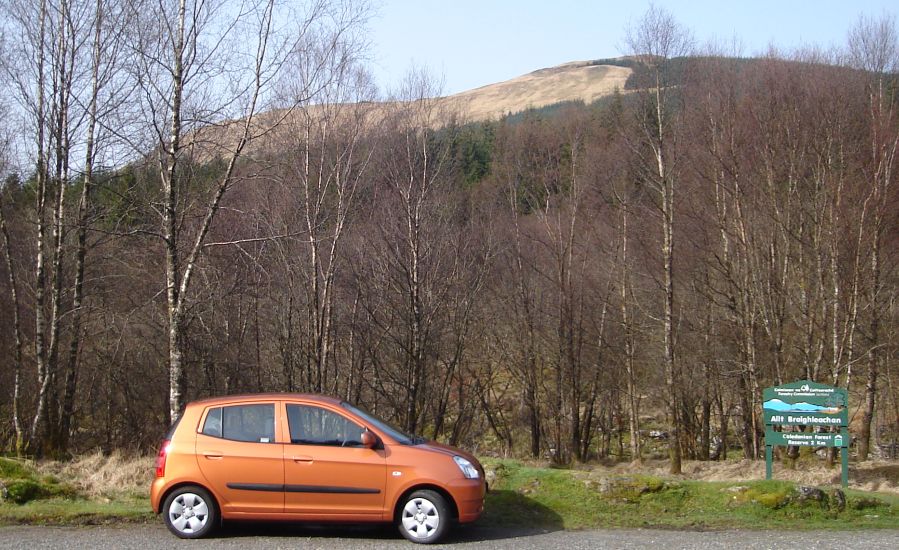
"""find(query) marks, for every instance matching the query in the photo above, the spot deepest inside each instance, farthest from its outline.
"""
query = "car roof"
(265, 396)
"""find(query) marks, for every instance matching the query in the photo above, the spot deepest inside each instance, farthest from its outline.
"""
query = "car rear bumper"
(156, 491)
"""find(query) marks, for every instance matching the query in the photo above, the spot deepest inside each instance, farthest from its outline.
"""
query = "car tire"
(190, 512)
(424, 517)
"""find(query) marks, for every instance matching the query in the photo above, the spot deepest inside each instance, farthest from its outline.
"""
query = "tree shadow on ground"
(508, 515)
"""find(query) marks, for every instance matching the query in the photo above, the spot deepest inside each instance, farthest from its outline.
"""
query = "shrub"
(21, 491)
(21, 484)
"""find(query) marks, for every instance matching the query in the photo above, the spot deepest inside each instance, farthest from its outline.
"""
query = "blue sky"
(470, 43)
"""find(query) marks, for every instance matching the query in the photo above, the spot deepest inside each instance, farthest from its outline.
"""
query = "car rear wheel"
(424, 517)
(190, 512)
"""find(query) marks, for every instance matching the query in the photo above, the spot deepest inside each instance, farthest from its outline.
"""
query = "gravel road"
(259, 536)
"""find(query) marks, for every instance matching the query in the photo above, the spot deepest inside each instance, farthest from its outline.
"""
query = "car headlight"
(468, 469)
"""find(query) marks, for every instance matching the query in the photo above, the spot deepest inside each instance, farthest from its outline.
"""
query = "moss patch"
(773, 495)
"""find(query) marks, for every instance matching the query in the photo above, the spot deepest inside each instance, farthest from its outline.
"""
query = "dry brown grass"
(874, 475)
(576, 81)
(100, 476)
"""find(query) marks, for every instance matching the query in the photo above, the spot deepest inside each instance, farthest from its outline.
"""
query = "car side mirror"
(369, 440)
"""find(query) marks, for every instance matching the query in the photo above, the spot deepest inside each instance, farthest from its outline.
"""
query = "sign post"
(806, 403)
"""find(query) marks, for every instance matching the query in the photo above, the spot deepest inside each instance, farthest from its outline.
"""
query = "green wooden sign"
(791, 418)
(808, 404)
(805, 439)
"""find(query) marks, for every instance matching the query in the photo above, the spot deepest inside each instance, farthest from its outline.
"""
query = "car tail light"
(160, 458)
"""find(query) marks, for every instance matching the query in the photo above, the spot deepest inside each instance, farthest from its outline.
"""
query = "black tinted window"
(316, 426)
(254, 423)
(213, 424)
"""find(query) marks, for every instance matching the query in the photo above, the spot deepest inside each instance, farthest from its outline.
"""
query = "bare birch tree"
(525, 359)
(18, 425)
(622, 201)
(327, 160)
(107, 28)
(414, 171)
(50, 42)
(204, 70)
(416, 260)
(655, 40)
(874, 49)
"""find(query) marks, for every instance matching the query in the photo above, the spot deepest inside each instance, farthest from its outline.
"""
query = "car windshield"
(400, 436)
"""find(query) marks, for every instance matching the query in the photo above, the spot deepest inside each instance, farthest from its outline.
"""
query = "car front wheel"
(190, 512)
(424, 517)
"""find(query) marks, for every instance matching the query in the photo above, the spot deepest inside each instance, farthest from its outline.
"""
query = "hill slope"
(575, 81)
(584, 81)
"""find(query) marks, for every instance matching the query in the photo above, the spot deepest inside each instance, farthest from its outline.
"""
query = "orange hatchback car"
(312, 458)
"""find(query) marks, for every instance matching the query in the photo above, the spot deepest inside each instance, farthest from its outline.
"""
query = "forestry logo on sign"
(805, 404)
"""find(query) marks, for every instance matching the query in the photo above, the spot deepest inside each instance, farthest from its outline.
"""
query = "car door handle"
(212, 455)
(302, 458)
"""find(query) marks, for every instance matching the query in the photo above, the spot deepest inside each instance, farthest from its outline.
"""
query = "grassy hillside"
(585, 81)
(523, 495)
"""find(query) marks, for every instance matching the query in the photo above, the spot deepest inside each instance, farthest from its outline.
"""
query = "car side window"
(213, 424)
(250, 423)
(317, 426)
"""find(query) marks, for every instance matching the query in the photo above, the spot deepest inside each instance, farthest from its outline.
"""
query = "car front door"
(328, 472)
(240, 459)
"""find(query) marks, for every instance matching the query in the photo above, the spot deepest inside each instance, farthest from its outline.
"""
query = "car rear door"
(327, 471)
(240, 458)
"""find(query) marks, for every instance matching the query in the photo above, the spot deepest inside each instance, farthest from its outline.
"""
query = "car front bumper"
(470, 499)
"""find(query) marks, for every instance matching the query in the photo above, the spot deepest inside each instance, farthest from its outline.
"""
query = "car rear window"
(213, 424)
(251, 423)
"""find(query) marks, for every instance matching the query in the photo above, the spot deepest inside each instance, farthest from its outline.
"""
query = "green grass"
(568, 499)
(31, 497)
(22, 484)
(14, 469)
(62, 511)
(524, 496)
